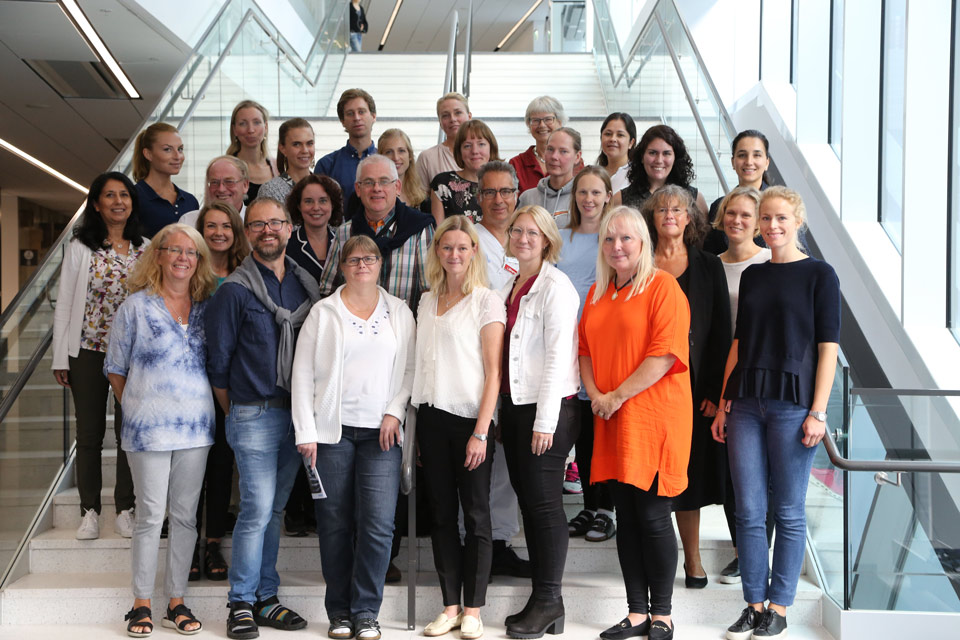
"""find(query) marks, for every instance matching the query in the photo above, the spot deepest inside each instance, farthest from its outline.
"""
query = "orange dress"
(650, 433)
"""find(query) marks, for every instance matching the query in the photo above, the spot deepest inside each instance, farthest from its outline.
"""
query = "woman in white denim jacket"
(351, 382)
(538, 408)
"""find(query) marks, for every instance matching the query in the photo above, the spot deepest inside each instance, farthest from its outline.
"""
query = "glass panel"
(836, 74)
(568, 26)
(891, 126)
(954, 274)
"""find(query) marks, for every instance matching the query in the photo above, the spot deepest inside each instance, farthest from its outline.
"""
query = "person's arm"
(436, 207)
(329, 276)
(718, 340)
(302, 391)
(117, 383)
(491, 344)
(397, 409)
(645, 376)
(813, 429)
(69, 274)
(586, 376)
(423, 257)
(223, 398)
(116, 362)
(221, 324)
(719, 426)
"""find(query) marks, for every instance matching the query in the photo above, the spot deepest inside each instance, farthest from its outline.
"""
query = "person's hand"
(309, 451)
(813, 431)
(708, 409)
(389, 432)
(62, 376)
(540, 443)
(606, 405)
(476, 453)
(719, 427)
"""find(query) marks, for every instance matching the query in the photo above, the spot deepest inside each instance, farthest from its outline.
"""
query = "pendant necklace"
(620, 288)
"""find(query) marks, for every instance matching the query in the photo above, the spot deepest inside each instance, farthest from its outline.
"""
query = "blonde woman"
(459, 346)
(634, 357)
(156, 364)
(157, 157)
(248, 142)
(395, 144)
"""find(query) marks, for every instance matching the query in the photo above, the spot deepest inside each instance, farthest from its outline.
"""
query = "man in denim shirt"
(251, 323)
(357, 112)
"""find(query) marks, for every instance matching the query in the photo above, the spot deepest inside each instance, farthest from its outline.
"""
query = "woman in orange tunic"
(634, 355)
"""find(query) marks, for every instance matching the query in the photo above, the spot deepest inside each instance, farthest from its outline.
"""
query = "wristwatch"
(482, 437)
(819, 415)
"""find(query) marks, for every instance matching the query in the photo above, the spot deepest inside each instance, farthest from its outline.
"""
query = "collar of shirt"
(377, 225)
(352, 151)
(153, 195)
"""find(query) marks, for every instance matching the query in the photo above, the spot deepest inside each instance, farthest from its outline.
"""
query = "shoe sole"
(275, 624)
(739, 635)
(339, 636)
(554, 628)
(170, 624)
(603, 539)
(779, 636)
(729, 579)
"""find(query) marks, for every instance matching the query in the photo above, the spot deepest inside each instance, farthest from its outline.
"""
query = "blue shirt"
(341, 165)
(578, 260)
(166, 399)
(156, 212)
(244, 337)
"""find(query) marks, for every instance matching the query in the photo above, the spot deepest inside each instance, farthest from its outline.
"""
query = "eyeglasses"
(275, 225)
(490, 194)
(367, 260)
(229, 183)
(179, 251)
(548, 120)
(516, 233)
(383, 182)
(674, 210)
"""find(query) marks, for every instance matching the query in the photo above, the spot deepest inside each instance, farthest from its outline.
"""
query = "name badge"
(511, 265)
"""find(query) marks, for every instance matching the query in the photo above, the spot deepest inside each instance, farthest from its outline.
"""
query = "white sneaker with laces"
(89, 528)
(124, 523)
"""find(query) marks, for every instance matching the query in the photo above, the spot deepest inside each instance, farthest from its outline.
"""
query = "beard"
(268, 254)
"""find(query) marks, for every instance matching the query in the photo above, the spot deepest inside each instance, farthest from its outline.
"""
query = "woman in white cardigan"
(106, 245)
(538, 407)
(352, 376)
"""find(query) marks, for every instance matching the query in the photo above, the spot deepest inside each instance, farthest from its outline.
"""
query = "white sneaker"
(89, 528)
(124, 523)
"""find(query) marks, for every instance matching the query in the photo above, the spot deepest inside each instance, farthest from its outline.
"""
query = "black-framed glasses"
(179, 251)
(275, 225)
(490, 194)
(356, 260)
(548, 120)
(517, 233)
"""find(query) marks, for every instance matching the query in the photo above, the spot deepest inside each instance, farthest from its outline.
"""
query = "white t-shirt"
(369, 350)
(500, 268)
(449, 373)
(619, 179)
(733, 271)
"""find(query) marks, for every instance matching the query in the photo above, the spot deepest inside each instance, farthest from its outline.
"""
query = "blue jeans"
(355, 40)
(267, 460)
(355, 521)
(765, 449)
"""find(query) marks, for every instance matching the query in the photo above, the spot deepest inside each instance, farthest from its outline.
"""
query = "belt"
(272, 403)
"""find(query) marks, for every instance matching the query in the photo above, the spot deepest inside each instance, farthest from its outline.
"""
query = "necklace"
(447, 303)
(537, 155)
(619, 288)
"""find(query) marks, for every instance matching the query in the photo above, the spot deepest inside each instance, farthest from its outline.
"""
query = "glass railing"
(241, 55)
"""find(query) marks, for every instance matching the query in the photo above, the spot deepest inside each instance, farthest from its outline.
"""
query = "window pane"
(891, 126)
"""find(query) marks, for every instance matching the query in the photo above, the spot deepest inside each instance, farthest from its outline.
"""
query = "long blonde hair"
(413, 188)
(476, 270)
(234, 147)
(645, 267)
(148, 274)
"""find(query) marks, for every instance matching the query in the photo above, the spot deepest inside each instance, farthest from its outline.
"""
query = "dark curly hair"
(697, 228)
(682, 172)
(91, 230)
(334, 192)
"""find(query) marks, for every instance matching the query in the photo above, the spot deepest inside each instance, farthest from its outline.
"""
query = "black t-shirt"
(785, 311)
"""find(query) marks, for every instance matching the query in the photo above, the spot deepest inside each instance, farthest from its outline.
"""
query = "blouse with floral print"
(458, 195)
(106, 291)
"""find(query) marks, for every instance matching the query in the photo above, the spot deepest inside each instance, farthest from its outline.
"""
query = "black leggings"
(647, 547)
(217, 481)
(538, 482)
(595, 496)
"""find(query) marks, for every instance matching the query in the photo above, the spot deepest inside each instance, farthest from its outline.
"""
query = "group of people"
(524, 309)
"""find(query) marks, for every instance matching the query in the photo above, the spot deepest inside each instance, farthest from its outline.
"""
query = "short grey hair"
(498, 166)
(545, 104)
(376, 158)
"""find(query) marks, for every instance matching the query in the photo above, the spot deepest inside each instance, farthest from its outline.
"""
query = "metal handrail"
(408, 485)
(884, 391)
(886, 466)
(450, 73)
(468, 51)
(14, 392)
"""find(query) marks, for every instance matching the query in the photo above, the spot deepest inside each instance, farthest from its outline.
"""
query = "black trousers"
(442, 438)
(217, 481)
(647, 547)
(595, 496)
(730, 510)
(90, 388)
(538, 482)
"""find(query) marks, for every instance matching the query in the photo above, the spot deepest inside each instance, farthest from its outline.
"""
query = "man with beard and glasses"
(256, 313)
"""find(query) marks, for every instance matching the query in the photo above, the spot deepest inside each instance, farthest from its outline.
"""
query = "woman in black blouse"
(455, 192)
(677, 228)
(316, 206)
(773, 412)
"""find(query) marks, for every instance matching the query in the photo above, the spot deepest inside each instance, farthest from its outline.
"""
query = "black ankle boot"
(545, 616)
(516, 617)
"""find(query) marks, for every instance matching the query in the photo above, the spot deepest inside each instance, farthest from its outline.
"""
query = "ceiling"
(80, 137)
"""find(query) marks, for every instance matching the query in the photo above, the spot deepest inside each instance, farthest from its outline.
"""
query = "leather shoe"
(506, 562)
(624, 629)
(516, 617)
(694, 582)
(442, 624)
(471, 627)
(660, 631)
(545, 616)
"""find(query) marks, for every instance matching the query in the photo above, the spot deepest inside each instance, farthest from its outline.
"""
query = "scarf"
(248, 276)
(402, 223)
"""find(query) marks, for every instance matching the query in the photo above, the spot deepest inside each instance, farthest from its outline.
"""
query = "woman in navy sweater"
(777, 381)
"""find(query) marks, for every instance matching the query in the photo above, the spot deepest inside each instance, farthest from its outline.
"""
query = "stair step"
(83, 598)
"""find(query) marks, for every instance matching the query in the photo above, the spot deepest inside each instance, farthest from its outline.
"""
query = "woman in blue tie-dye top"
(156, 363)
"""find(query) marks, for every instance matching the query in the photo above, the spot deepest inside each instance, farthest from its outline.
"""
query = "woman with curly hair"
(661, 158)
(316, 208)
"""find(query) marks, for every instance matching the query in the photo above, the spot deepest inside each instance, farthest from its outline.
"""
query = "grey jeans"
(162, 480)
